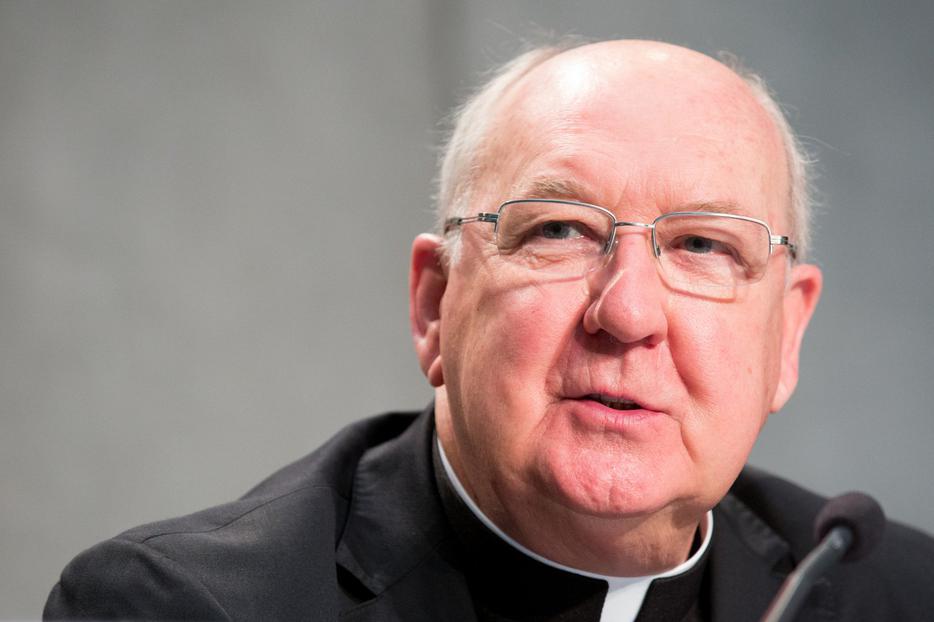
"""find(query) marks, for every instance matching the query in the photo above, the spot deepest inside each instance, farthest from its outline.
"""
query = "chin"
(607, 487)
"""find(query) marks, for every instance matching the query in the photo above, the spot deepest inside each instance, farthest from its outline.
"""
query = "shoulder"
(274, 547)
(791, 510)
(894, 579)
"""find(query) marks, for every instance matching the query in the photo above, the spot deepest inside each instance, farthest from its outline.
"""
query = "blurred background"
(206, 210)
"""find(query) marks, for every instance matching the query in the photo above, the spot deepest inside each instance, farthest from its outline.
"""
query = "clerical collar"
(625, 595)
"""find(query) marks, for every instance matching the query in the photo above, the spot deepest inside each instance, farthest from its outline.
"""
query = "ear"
(427, 282)
(801, 297)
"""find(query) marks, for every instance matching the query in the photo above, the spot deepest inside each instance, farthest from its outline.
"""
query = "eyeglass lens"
(698, 250)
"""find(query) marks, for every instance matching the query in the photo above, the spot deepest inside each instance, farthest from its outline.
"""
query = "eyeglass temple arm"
(782, 240)
(457, 221)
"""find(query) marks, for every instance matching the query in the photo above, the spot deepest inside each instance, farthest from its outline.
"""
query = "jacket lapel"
(396, 541)
(748, 563)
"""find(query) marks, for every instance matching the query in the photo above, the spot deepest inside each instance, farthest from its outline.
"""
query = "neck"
(593, 546)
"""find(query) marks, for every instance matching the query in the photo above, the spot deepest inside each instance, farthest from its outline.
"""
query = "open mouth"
(615, 403)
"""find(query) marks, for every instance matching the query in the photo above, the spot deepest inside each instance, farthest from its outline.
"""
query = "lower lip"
(594, 415)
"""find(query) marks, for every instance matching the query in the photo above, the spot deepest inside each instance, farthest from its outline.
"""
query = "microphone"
(848, 528)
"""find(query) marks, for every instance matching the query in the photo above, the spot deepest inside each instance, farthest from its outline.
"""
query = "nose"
(628, 298)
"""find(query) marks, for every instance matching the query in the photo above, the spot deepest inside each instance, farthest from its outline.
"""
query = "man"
(614, 305)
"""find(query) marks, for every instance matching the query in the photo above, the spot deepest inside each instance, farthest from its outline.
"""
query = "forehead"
(623, 121)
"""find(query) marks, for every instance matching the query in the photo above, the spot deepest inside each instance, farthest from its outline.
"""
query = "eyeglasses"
(699, 251)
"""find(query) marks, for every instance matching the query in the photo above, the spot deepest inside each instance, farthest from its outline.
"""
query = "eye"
(561, 230)
(695, 247)
(700, 245)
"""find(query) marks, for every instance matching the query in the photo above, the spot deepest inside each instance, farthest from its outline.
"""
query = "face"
(613, 395)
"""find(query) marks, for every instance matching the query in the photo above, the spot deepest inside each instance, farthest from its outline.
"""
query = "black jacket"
(355, 531)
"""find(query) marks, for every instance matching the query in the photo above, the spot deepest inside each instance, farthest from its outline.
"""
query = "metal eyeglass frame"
(774, 240)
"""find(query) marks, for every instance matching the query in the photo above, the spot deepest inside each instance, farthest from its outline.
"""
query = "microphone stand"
(798, 584)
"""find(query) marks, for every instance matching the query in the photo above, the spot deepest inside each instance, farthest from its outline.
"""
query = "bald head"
(644, 79)
(648, 93)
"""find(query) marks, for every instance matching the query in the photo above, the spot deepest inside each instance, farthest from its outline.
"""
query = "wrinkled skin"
(640, 128)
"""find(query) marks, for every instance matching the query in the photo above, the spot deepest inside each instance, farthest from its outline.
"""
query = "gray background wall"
(206, 208)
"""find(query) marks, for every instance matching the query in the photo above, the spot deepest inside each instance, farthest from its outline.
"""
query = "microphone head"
(861, 513)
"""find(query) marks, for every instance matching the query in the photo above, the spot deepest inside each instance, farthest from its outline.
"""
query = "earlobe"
(800, 300)
(427, 283)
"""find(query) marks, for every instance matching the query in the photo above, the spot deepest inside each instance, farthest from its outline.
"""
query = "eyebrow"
(720, 207)
(551, 188)
(568, 189)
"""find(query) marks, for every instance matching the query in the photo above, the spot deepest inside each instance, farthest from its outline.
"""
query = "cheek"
(727, 364)
(499, 346)
(518, 329)
(723, 344)
(722, 365)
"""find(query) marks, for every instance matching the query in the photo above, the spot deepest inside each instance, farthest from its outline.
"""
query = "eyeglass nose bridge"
(611, 242)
